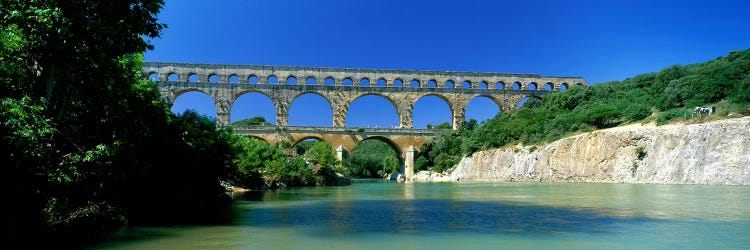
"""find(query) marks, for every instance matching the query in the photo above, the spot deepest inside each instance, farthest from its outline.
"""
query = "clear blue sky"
(598, 40)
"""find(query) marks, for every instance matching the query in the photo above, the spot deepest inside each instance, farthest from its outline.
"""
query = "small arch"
(153, 76)
(483, 85)
(172, 77)
(348, 82)
(364, 82)
(291, 80)
(234, 79)
(272, 79)
(579, 84)
(310, 80)
(414, 83)
(381, 83)
(330, 81)
(193, 78)
(213, 78)
(253, 79)
(466, 84)
(449, 84)
(516, 86)
(398, 83)
(532, 86)
(564, 86)
(549, 86)
(431, 84)
(500, 85)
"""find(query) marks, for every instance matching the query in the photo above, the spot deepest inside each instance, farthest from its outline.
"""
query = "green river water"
(383, 215)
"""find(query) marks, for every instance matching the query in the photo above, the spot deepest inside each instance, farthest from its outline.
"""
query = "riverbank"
(713, 153)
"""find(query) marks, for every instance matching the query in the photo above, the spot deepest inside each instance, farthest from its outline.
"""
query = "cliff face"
(716, 153)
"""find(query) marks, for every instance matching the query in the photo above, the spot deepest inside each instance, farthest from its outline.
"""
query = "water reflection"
(471, 216)
(420, 216)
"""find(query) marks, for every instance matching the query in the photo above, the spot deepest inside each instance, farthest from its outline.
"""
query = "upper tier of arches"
(246, 74)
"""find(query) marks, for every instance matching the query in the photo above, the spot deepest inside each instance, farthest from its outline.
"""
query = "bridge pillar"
(222, 112)
(405, 117)
(167, 95)
(340, 152)
(458, 118)
(409, 163)
(282, 116)
(339, 116)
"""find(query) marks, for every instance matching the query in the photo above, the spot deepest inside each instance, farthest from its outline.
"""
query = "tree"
(391, 164)
(322, 153)
(366, 158)
(97, 140)
(255, 121)
(663, 96)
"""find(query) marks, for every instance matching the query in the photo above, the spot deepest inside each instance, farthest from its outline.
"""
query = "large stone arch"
(354, 98)
(305, 137)
(331, 101)
(325, 97)
(258, 138)
(528, 97)
(171, 95)
(451, 102)
(395, 146)
(236, 96)
(497, 101)
(178, 92)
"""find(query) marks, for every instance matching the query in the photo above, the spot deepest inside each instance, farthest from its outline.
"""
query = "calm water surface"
(381, 215)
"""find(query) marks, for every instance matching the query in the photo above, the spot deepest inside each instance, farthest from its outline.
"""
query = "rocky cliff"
(716, 153)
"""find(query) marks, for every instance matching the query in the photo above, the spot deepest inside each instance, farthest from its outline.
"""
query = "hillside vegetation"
(662, 97)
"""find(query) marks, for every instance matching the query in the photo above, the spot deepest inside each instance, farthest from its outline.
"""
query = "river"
(382, 215)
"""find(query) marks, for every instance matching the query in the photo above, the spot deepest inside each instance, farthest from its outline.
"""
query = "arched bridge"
(404, 141)
(341, 87)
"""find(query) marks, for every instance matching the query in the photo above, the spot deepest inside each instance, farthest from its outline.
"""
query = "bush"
(723, 82)
(672, 114)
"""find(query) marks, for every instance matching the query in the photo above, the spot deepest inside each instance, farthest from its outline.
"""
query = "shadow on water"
(426, 216)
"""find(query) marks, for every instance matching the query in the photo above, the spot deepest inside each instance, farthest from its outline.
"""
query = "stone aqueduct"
(225, 83)
(341, 87)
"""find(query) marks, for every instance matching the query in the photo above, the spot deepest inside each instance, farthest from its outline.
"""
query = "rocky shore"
(713, 153)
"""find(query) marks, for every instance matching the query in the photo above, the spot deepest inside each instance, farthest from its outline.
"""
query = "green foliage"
(665, 96)
(88, 144)
(672, 114)
(391, 164)
(420, 164)
(640, 153)
(304, 146)
(444, 125)
(367, 159)
(255, 121)
(260, 165)
(322, 153)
